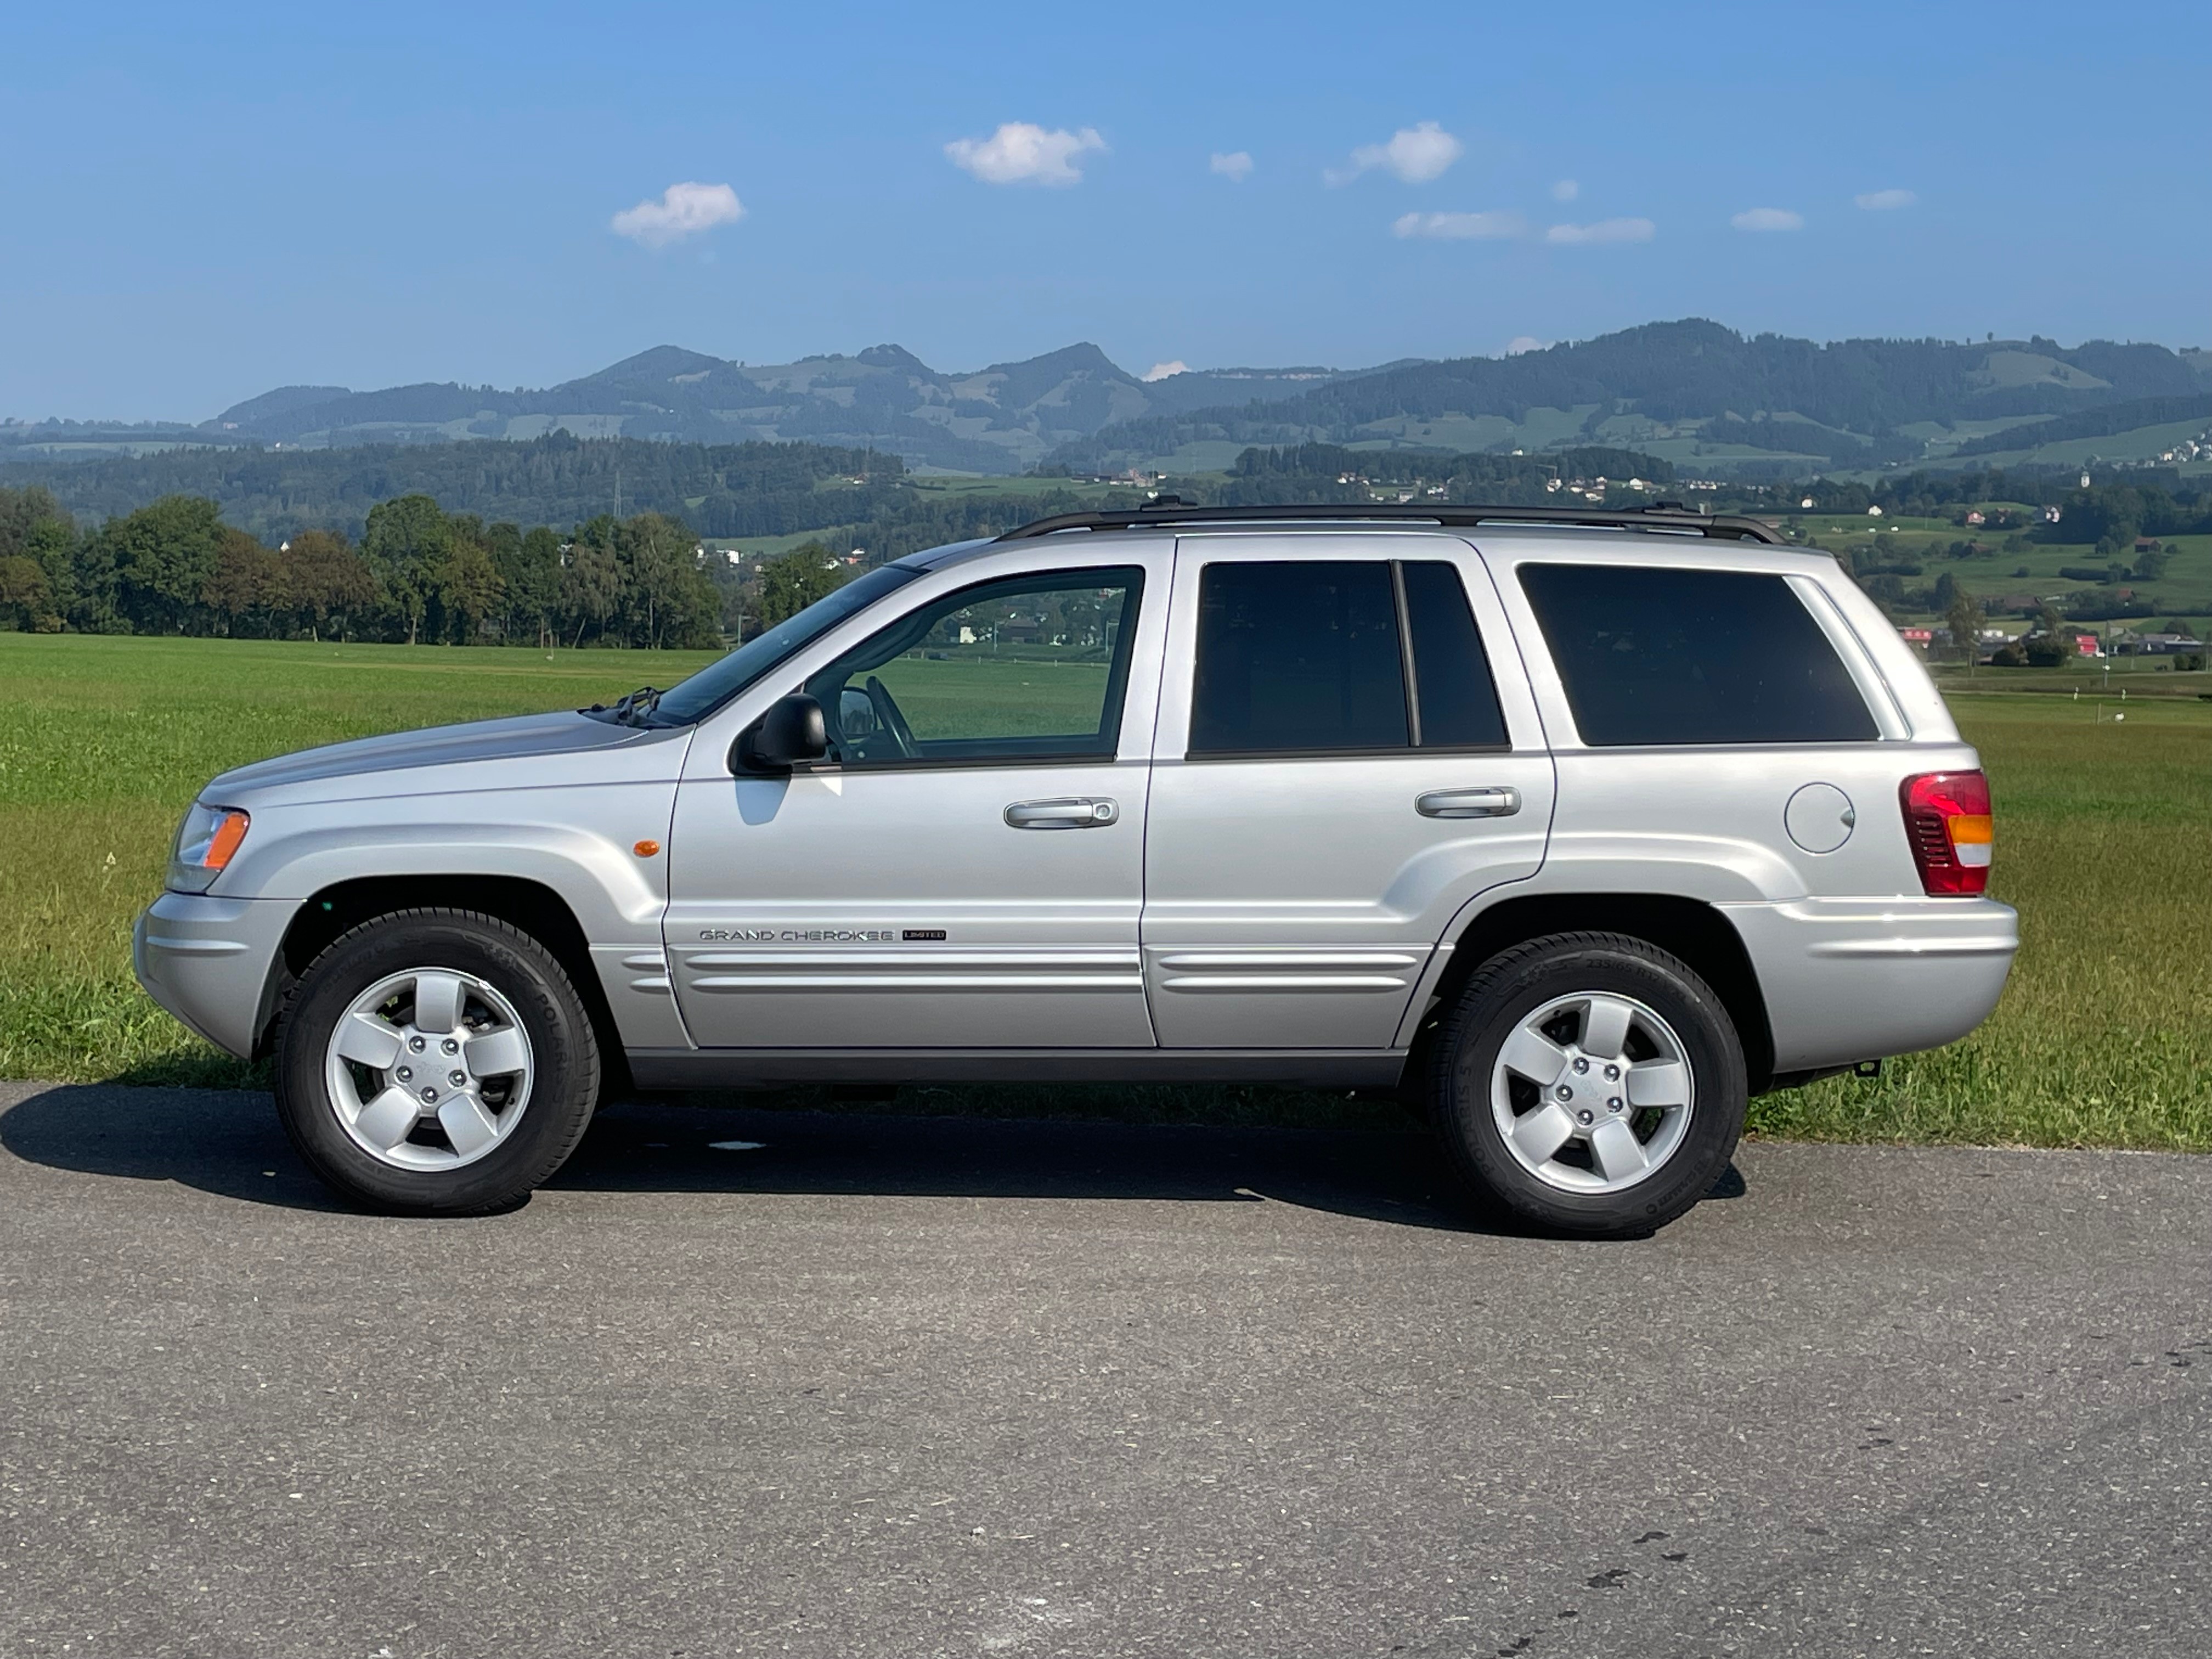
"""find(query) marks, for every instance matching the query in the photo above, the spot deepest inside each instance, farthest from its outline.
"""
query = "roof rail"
(1666, 516)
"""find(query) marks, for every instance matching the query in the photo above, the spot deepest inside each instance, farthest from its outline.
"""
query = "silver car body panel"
(1705, 821)
(1847, 980)
(561, 801)
(792, 900)
(524, 746)
(211, 961)
(1286, 918)
(1294, 900)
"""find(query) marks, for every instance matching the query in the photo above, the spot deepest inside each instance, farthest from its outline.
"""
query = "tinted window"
(1691, 656)
(1030, 668)
(1457, 699)
(1297, 656)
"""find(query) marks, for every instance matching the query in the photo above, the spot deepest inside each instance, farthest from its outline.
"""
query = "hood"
(477, 745)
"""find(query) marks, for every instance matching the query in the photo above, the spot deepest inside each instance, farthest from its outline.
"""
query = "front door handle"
(1498, 802)
(1087, 812)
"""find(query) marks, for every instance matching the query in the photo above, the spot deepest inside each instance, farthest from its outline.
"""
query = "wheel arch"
(1696, 931)
(530, 906)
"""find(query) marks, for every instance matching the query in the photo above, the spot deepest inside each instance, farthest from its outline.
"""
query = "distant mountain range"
(1692, 392)
(1002, 419)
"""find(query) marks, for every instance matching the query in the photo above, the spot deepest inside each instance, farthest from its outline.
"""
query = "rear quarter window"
(1652, 655)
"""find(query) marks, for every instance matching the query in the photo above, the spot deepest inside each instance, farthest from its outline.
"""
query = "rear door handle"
(1086, 812)
(1499, 803)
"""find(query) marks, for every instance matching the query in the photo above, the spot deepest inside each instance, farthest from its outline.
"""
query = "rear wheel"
(435, 1062)
(1590, 1084)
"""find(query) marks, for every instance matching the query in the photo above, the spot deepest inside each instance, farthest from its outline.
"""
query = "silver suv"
(1576, 827)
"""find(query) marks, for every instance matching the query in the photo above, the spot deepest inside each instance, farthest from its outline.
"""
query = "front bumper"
(211, 963)
(1847, 980)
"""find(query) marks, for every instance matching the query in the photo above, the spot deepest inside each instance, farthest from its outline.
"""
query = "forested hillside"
(730, 490)
(999, 418)
(1690, 392)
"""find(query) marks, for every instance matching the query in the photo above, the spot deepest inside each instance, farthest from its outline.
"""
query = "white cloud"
(1522, 342)
(1462, 227)
(1414, 155)
(1768, 219)
(1235, 166)
(683, 210)
(1160, 371)
(1021, 153)
(1605, 230)
(1877, 201)
(1565, 191)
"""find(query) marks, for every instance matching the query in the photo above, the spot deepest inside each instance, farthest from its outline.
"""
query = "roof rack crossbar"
(1719, 526)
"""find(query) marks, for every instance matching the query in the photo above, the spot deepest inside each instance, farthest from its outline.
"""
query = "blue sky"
(200, 203)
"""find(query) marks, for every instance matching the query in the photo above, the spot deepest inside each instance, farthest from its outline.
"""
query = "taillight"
(1947, 820)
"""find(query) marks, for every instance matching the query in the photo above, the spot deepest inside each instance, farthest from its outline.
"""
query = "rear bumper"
(1847, 980)
(207, 960)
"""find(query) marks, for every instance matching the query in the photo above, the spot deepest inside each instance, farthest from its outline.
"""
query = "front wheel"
(1592, 1084)
(435, 1062)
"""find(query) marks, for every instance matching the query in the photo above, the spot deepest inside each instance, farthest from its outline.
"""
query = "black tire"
(565, 1056)
(1519, 982)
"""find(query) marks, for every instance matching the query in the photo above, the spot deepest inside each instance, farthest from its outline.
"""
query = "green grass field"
(2104, 1038)
(2183, 589)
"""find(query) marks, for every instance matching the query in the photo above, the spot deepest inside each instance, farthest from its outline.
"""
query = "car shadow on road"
(227, 1142)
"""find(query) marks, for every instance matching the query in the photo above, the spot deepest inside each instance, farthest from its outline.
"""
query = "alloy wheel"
(1592, 1092)
(429, 1069)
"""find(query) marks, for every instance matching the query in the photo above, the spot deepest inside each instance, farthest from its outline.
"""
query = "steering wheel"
(888, 717)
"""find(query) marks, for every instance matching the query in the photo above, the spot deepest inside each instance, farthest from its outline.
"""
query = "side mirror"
(856, 715)
(790, 734)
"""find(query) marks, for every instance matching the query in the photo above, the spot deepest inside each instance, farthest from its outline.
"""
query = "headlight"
(205, 843)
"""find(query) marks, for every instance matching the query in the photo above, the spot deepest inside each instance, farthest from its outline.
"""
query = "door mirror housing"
(791, 733)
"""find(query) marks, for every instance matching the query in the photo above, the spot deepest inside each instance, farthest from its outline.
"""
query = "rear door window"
(1458, 701)
(1653, 655)
(1334, 656)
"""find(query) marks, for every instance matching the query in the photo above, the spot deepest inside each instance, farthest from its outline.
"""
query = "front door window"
(1020, 671)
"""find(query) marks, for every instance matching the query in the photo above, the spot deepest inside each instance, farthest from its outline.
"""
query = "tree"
(467, 589)
(327, 582)
(529, 566)
(1964, 618)
(2051, 646)
(592, 581)
(247, 584)
(35, 530)
(659, 551)
(405, 543)
(25, 599)
(789, 584)
(161, 558)
(669, 598)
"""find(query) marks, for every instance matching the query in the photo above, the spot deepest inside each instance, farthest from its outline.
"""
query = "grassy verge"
(2104, 1038)
(2104, 1035)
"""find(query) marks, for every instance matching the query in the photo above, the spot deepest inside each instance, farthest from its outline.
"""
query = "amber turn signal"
(225, 840)
(646, 849)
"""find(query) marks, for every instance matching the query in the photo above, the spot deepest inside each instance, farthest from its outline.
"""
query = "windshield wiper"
(636, 707)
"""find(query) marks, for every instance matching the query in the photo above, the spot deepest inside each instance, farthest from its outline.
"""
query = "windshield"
(716, 683)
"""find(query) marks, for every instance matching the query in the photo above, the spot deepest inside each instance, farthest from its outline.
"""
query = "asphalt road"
(911, 1387)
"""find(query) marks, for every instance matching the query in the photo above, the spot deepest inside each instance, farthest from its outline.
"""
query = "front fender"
(579, 842)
